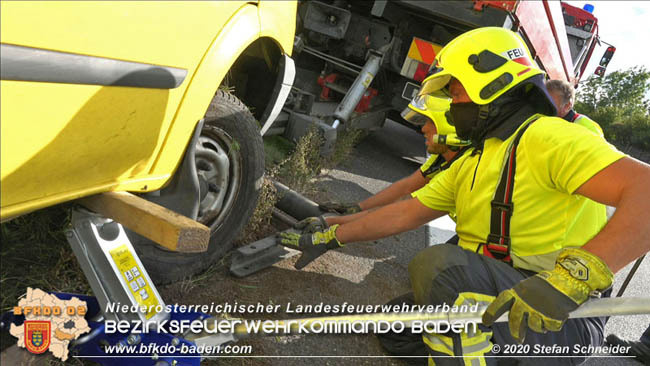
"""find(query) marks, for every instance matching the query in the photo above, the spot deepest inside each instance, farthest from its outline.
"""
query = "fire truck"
(361, 62)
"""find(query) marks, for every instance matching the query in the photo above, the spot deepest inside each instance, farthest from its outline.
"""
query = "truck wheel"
(229, 159)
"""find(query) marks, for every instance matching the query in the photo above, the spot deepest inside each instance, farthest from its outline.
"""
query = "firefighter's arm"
(625, 185)
(333, 220)
(392, 193)
(543, 302)
(389, 220)
(395, 191)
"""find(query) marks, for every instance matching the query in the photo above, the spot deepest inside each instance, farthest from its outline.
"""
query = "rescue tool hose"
(592, 308)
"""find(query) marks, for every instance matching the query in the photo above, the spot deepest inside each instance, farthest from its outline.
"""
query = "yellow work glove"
(340, 208)
(311, 225)
(547, 298)
(312, 246)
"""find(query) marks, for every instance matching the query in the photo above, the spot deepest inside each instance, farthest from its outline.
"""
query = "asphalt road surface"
(394, 152)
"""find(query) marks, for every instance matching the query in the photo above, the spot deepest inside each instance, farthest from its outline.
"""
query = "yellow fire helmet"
(488, 62)
(432, 108)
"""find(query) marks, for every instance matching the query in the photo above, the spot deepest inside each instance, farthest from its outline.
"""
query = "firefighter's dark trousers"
(447, 274)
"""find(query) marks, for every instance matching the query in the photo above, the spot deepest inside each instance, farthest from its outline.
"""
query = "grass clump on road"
(293, 168)
(296, 167)
(345, 142)
(259, 225)
(303, 164)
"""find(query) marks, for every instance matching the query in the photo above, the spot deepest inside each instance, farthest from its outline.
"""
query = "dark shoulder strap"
(441, 164)
(576, 116)
(434, 167)
(498, 241)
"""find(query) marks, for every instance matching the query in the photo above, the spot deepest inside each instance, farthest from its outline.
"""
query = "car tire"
(230, 129)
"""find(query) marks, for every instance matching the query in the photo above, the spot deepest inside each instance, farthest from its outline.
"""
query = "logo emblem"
(576, 268)
(38, 335)
(517, 55)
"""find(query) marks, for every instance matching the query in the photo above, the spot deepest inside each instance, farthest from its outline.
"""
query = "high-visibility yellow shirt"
(589, 124)
(554, 158)
(430, 174)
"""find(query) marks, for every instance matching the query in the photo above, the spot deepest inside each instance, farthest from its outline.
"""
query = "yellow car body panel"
(49, 153)
(233, 39)
(127, 30)
(274, 21)
(238, 33)
(63, 141)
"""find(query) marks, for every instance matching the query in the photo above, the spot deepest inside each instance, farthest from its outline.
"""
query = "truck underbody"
(360, 62)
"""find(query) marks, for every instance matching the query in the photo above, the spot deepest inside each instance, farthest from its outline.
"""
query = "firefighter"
(427, 112)
(534, 248)
(563, 95)
(441, 141)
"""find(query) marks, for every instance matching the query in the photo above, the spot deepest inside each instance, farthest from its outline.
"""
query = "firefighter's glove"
(340, 208)
(312, 246)
(543, 302)
(311, 225)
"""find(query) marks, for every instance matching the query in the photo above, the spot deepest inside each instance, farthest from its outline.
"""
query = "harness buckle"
(494, 239)
(497, 251)
(502, 206)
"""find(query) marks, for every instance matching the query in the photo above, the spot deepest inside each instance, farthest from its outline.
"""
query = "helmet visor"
(435, 82)
(414, 117)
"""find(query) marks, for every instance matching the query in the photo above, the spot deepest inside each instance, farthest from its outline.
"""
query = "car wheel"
(228, 164)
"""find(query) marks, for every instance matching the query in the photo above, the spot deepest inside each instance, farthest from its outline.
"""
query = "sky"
(626, 25)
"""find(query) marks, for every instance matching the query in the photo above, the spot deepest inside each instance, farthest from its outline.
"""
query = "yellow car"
(147, 97)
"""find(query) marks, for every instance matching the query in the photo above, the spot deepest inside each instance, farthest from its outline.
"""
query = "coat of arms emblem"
(37, 335)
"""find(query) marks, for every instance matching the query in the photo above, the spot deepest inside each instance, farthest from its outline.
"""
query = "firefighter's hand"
(543, 302)
(340, 208)
(312, 246)
(311, 225)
